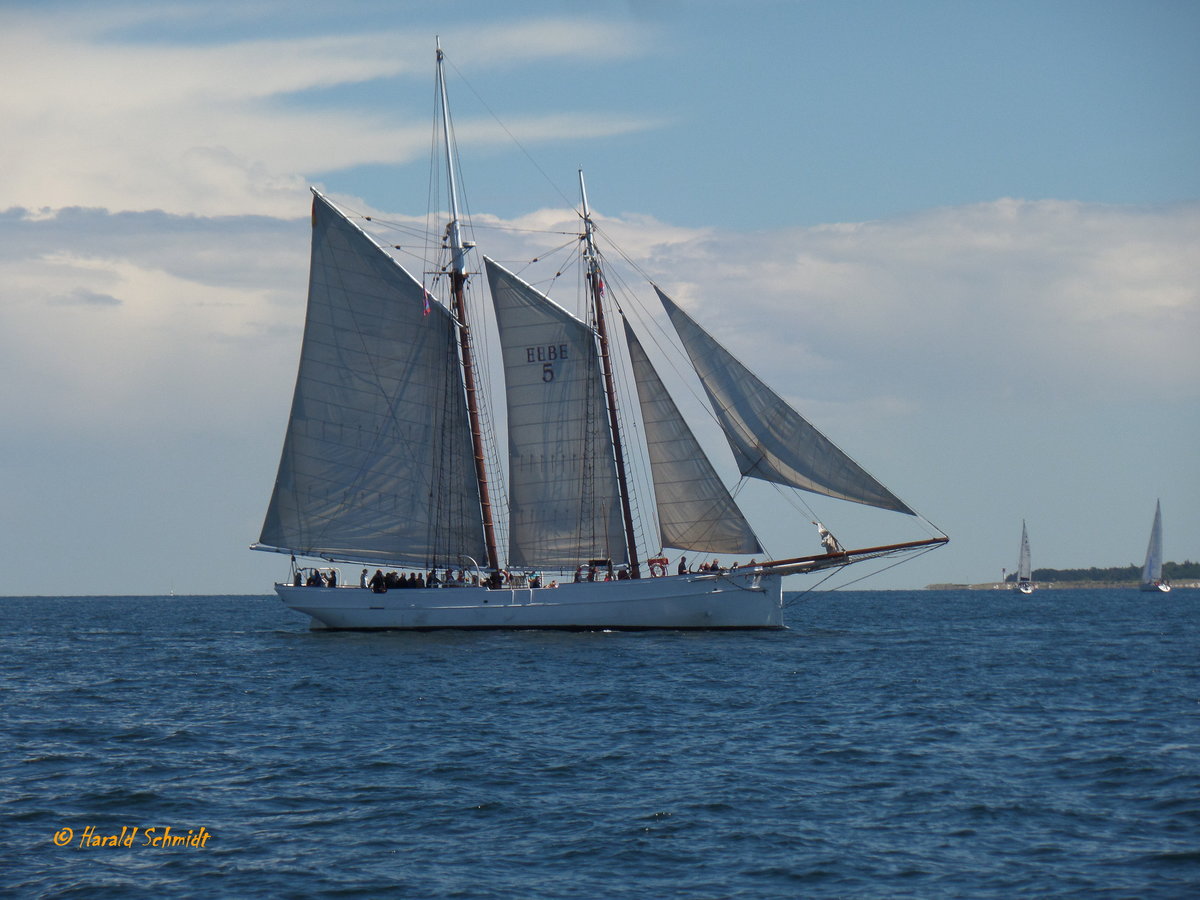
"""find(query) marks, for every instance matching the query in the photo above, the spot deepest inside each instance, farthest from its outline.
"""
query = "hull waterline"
(678, 602)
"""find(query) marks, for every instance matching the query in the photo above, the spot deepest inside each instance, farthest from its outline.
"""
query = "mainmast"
(458, 282)
(596, 281)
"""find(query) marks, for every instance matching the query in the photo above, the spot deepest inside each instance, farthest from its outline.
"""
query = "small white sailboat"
(1152, 576)
(1025, 565)
(387, 462)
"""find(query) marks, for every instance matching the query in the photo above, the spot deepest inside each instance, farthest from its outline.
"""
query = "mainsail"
(695, 510)
(769, 439)
(1024, 562)
(1152, 568)
(564, 505)
(377, 459)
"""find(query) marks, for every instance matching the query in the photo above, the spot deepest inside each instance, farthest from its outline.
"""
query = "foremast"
(458, 283)
(595, 277)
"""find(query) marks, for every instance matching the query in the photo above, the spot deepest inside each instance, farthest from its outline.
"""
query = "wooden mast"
(458, 282)
(596, 282)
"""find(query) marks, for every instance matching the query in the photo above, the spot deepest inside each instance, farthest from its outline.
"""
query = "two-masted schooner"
(384, 463)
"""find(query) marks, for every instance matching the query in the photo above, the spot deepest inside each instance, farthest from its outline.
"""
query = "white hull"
(1156, 586)
(688, 601)
(1025, 588)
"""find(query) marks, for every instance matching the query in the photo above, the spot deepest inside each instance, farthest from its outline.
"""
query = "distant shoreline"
(1053, 585)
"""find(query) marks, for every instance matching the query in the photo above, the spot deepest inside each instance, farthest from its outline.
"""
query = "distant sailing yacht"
(1152, 576)
(386, 461)
(1024, 565)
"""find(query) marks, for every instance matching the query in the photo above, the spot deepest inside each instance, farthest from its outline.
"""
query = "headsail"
(377, 459)
(769, 439)
(695, 510)
(564, 505)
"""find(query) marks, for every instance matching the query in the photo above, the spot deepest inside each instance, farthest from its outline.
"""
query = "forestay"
(377, 459)
(563, 502)
(769, 439)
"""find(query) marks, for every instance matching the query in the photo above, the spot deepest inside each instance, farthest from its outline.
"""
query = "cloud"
(216, 128)
(987, 304)
(84, 297)
(140, 322)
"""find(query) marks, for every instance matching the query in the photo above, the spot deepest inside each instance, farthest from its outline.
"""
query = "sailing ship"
(1152, 575)
(1024, 564)
(386, 462)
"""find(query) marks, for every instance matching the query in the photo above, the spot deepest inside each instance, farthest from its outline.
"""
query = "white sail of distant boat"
(1024, 564)
(1152, 569)
(389, 457)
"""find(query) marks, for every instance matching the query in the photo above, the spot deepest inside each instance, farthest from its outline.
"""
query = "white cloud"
(1060, 302)
(1015, 298)
(214, 128)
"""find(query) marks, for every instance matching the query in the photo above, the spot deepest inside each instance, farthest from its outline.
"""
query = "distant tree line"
(1172, 571)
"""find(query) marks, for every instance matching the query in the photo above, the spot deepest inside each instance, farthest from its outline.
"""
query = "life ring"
(658, 566)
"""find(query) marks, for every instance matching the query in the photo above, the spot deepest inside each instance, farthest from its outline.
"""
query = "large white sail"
(1024, 560)
(769, 439)
(695, 510)
(1152, 568)
(563, 502)
(377, 459)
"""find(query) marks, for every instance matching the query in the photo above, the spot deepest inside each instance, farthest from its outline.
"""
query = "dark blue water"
(891, 744)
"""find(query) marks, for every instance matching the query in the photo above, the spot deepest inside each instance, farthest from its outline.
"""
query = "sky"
(962, 238)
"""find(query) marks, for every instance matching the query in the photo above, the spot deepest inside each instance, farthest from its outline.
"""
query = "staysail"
(695, 510)
(564, 505)
(377, 459)
(769, 439)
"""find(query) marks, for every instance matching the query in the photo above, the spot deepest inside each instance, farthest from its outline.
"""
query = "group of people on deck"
(381, 581)
(594, 572)
(714, 566)
(316, 578)
(597, 570)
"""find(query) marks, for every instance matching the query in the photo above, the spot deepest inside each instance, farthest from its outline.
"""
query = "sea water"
(889, 744)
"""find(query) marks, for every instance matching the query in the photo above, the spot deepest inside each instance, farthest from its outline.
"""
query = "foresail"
(1152, 568)
(377, 459)
(769, 439)
(563, 502)
(695, 510)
